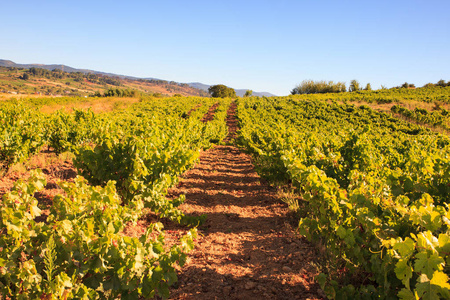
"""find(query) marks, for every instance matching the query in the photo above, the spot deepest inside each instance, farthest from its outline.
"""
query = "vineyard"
(128, 160)
(368, 187)
(374, 190)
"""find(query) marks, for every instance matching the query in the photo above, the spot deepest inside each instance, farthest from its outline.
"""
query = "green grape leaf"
(405, 248)
(428, 264)
(341, 232)
(322, 280)
(444, 243)
(425, 289)
(404, 272)
(406, 294)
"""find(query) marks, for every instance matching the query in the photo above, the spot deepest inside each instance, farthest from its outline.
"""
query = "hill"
(153, 85)
(64, 80)
(68, 69)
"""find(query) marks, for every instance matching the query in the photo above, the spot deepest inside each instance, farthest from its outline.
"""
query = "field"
(342, 196)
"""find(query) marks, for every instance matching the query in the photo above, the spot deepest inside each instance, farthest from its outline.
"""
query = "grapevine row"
(375, 190)
(128, 160)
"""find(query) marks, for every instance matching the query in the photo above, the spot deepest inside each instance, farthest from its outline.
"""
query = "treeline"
(162, 82)
(407, 85)
(322, 86)
(118, 93)
(441, 83)
(76, 76)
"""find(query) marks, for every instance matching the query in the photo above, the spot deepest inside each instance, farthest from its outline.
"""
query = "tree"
(248, 93)
(221, 91)
(408, 85)
(441, 83)
(314, 87)
(368, 87)
(354, 86)
(25, 76)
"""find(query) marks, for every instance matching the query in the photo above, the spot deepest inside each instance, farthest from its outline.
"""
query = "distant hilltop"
(11, 64)
(195, 85)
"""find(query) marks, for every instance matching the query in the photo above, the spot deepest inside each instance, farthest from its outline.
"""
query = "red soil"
(247, 248)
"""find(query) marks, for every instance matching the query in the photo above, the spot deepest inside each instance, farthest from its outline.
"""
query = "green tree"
(354, 86)
(368, 87)
(441, 83)
(248, 93)
(314, 87)
(408, 85)
(221, 91)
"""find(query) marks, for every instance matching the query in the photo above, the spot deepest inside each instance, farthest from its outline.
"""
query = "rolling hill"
(149, 84)
(62, 80)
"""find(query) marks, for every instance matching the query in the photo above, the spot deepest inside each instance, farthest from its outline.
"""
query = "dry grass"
(289, 197)
(44, 159)
(4, 96)
(41, 161)
(410, 104)
(97, 105)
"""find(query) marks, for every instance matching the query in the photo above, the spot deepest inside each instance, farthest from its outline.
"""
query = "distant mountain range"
(198, 85)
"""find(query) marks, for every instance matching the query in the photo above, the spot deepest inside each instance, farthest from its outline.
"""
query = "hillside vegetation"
(16, 81)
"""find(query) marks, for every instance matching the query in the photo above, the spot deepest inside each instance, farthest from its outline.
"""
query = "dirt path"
(247, 248)
(209, 115)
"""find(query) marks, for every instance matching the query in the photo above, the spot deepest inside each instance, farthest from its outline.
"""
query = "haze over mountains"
(198, 85)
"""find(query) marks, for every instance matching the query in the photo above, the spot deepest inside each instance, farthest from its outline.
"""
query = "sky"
(269, 46)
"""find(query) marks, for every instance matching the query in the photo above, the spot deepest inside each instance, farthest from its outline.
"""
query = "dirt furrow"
(209, 116)
(247, 249)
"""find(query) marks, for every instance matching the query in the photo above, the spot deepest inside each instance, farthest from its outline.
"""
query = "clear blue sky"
(260, 45)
